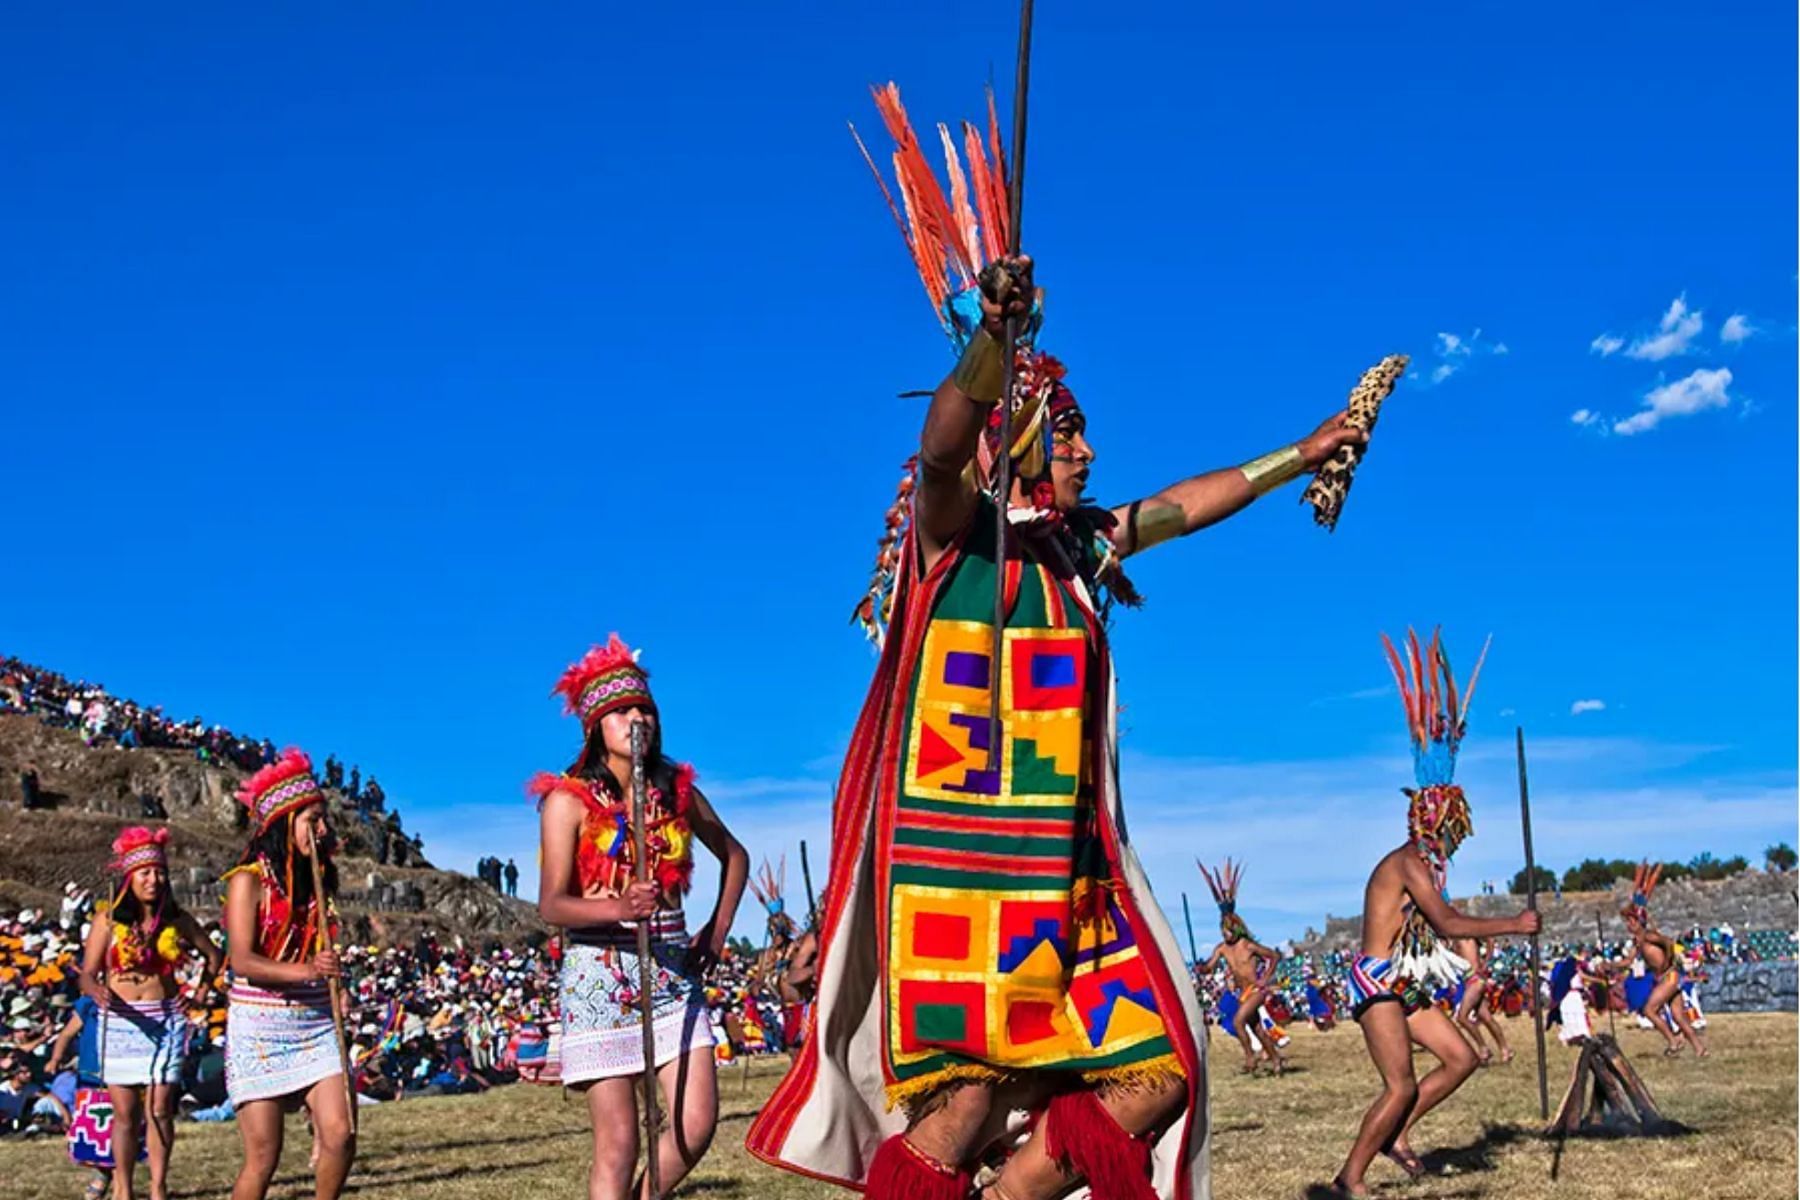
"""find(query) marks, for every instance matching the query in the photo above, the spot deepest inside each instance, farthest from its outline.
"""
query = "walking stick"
(1537, 1007)
(333, 986)
(1188, 916)
(1599, 936)
(646, 967)
(1009, 366)
(812, 905)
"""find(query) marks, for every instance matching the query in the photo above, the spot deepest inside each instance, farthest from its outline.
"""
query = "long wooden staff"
(812, 905)
(646, 966)
(1187, 915)
(1537, 1008)
(1599, 937)
(321, 934)
(1003, 454)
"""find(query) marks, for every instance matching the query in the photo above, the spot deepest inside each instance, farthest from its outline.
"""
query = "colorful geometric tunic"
(986, 923)
(1007, 949)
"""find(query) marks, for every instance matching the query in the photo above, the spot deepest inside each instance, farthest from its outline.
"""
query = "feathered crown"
(1435, 721)
(1644, 879)
(952, 238)
(285, 785)
(1223, 884)
(139, 847)
(768, 886)
(1438, 817)
(606, 679)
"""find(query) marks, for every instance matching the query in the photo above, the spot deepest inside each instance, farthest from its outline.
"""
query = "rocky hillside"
(1753, 900)
(93, 793)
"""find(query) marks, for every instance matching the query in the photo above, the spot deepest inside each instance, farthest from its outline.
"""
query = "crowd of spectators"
(104, 719)
(429, 1018)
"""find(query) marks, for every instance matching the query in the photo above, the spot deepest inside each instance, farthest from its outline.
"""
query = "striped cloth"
(142, 1042)
(278, 1042)
(602, 1034)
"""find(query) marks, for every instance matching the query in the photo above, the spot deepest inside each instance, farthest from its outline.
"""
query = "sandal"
(1339, 1188)
(1672, 1051)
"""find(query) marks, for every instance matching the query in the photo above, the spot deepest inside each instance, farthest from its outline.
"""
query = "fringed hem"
(1148, 1075)
(915, 1092)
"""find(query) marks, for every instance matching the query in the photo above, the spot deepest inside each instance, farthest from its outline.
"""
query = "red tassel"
(902, 1172)
(1081, 1136)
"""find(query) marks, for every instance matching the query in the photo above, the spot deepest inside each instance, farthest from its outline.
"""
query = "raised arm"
(959, 410)
(734, 872)
(1206, 499)
(1451, 923)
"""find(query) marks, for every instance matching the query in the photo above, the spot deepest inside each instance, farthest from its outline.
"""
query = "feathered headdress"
(139, 847)
(1438, 817)
(1644, 879)
(606, 679)
(769, 886)
(1223, 884)
(952, 238)
(285, 785)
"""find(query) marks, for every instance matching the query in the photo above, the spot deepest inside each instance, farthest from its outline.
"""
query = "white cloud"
(1585, 417)
(1737, 328)
(1586, 706)
(1454, 352)
(1606, 345)
(1679, 327)
(1694, 393)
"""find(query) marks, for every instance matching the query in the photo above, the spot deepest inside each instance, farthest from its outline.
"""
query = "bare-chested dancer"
(1404, 916)
(1250, 964)
(1663, 960)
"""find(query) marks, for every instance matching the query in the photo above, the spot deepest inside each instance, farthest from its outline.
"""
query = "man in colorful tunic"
(990, 947)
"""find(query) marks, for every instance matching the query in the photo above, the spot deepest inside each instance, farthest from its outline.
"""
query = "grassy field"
(1275, 1137)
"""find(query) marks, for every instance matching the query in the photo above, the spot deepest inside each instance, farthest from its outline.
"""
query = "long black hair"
(127, 909)
(274, 845)
(659, 769)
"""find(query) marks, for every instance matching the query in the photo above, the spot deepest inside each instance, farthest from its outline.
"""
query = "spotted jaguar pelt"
(1331, 485)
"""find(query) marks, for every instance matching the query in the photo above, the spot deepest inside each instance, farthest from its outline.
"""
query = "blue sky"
(361, 368)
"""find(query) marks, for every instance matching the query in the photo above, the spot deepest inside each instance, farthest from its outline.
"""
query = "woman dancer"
(281, 1046)
(587, 887)
(136, 943)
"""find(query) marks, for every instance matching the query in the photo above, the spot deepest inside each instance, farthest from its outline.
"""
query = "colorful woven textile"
(1006, 947)
(602, 1034)
(90, 1130)
(142, 1042)
(982, 923)
(278, 1042)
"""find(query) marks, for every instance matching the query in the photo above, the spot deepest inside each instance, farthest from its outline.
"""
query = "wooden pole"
(333, 985)
(1003, 447)
(652, 1109)
(1537, 1007)
(1187, 915)
(812, 905)
(1599, 937)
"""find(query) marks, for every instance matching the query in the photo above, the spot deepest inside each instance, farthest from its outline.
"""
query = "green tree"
(1591, 875)
(1546, 881)
(1780, 857)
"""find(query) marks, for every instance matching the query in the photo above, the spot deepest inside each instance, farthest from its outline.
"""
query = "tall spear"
(1003, 463)
(812, 905)
(1599, 937)
(1188, 916)
(646, 967)
(1537, 1011)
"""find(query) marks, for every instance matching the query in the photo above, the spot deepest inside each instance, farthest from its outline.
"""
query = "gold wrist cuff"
(981, 372)
(1269, 472)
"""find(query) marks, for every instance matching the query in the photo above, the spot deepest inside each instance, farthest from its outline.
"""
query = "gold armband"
(1272, 470)
(981, 372)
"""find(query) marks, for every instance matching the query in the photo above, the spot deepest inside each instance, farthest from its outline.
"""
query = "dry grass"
(1275, 1137)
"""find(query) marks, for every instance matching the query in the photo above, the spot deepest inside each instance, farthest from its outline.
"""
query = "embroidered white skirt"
(142, 1042)
(278, 1043)
(602, 1034)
